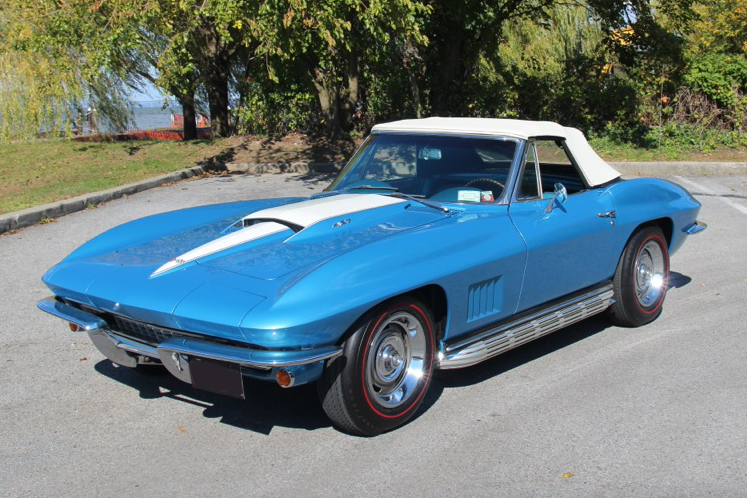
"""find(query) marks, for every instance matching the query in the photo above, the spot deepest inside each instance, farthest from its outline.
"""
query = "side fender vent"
(485, 298)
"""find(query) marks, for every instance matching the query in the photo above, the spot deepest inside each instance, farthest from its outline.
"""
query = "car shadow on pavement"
(677, 280)
(446, 379)
(267, 405)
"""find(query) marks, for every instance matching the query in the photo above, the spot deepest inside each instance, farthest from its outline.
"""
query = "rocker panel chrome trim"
(495, 341)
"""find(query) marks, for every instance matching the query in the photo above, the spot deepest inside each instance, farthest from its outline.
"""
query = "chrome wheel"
(640, 280)
(650, 273)
(384, 372)
(396, 359)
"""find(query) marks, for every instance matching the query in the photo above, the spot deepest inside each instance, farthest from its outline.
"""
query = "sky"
(149, 93)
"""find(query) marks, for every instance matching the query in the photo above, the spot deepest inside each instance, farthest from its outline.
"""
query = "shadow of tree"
(313, 179)
(219, 160)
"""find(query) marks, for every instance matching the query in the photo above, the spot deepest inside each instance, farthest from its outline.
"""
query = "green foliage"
(671, 139)
(722, 77)
(649, 72)
(267, 112)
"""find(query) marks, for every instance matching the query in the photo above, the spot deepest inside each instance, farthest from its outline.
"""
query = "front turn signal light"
(285, 377)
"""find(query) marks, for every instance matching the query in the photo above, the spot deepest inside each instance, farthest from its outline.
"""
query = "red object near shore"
(177, 121)
(143, 135)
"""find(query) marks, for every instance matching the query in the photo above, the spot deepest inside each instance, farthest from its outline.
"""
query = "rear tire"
(385, 370)
(641, 278)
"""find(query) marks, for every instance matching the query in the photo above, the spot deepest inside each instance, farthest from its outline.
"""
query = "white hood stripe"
(303, 213)
(307, 213)
(229, 240)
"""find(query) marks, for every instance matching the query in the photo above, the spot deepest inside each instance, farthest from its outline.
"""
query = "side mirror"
(560, 195)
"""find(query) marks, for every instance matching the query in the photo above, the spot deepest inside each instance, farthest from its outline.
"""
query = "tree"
(330, 41)
(48, 72)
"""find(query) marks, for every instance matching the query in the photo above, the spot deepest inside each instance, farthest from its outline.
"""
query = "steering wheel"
(476, 181)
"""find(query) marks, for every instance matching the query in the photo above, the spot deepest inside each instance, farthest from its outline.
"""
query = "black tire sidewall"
(371, 417)
(634, 312)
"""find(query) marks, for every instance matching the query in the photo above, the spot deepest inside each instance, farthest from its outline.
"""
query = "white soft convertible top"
(594, 169)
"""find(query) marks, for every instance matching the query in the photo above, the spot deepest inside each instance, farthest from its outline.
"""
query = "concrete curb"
(687, 168)
(32, 215)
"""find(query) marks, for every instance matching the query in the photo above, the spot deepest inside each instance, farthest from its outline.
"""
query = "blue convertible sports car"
(442, 243)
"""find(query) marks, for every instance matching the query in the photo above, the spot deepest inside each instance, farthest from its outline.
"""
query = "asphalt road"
(592, 410)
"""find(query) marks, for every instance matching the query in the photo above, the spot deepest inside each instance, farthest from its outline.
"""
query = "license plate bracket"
(217, 376)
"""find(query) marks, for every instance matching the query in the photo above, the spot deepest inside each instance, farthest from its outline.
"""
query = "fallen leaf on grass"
(566, 475)
(182, 429)
(82, 359)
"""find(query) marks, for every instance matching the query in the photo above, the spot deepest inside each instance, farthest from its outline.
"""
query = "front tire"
(386, 367)
(641, 278)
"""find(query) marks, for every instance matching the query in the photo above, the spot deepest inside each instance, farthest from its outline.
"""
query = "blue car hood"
(275, 242)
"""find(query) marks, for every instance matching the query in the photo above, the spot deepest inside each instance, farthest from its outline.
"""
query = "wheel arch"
(665, 224)
(432, 295)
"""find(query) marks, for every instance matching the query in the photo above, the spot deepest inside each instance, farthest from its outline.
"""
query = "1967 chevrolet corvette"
(442, 243)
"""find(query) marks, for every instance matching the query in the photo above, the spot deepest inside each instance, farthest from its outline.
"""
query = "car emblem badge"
(341, 223)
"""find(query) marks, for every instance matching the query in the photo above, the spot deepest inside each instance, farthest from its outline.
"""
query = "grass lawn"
(612, 152)
(37, 172)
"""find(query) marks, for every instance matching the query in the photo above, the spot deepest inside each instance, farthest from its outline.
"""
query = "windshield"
(441, 168)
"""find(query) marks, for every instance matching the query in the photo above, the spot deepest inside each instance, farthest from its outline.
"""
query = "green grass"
(611, 151)
(37, 172)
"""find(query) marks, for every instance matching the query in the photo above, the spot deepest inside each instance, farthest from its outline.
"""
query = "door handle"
(607, 214)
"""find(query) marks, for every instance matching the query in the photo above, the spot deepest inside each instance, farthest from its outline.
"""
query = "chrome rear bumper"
(175, 352)
(695, 227)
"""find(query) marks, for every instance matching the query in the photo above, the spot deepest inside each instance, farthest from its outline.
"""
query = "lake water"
(147, 118)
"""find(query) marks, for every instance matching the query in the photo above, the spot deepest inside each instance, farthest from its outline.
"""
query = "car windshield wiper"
(396, 193)
(372, 187)
(421, 200)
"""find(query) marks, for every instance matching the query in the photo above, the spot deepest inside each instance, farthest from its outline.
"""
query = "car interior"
(458, 169)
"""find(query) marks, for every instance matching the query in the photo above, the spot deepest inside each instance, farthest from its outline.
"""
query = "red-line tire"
(641, 278)
(384, 372)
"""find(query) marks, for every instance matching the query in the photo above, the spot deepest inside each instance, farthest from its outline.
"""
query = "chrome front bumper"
(175, 352)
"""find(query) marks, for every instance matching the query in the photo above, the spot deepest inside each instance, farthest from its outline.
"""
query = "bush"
(722, 77)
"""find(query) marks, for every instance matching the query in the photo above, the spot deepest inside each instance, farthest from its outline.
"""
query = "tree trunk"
(328, 101)
(220, 117)
(351, 99)
(188, 109)
(409, 57)
(452, 59)
(214, 56)
(415, 93)
(187, 100)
